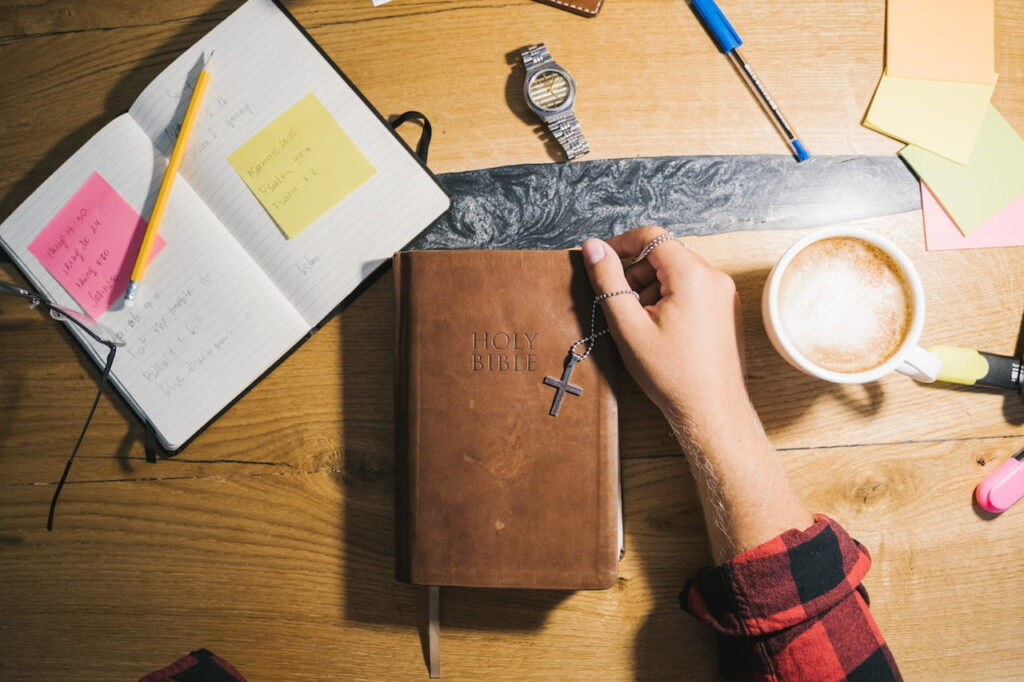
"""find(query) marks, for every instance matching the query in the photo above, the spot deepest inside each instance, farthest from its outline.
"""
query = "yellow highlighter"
(173, 164)
(975, 368)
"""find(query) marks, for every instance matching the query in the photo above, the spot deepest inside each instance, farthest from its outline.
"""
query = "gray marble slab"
(557, 205)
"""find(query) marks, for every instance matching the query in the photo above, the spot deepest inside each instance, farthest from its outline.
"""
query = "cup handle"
(921, 365)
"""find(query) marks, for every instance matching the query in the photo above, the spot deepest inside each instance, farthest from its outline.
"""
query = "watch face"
(549, 90)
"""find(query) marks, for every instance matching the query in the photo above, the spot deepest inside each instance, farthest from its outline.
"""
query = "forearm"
(785, 593)
(745, 494)
(785, 596)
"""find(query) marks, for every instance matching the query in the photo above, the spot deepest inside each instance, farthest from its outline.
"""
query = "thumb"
(624, 312)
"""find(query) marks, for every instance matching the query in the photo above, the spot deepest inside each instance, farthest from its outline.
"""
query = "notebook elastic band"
(423, 146)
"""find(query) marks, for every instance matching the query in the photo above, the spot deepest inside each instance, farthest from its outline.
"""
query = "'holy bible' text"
(504, 352)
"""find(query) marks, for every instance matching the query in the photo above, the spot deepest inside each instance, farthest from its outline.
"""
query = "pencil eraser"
(1003, 487)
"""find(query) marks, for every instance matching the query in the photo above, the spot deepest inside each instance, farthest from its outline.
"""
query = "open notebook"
(230, 293)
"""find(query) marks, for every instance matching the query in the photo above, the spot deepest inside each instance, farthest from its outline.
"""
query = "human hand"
(682, 341)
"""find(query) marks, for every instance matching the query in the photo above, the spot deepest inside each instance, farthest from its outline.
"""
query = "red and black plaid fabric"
(794, 609)
(199, 666)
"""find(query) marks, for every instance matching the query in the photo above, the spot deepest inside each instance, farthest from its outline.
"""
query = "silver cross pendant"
(562, 385)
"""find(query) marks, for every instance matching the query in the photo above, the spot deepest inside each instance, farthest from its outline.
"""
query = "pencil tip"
(129, 294)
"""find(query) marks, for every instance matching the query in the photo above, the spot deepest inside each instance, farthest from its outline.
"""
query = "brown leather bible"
(493, 491)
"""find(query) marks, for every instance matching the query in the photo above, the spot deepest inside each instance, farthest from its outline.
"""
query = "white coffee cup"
(909, 358)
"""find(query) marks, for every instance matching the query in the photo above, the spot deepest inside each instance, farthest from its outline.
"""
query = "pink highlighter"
(1004, 486)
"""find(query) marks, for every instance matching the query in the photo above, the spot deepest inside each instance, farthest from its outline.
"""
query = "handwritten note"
(301, 165)
(91, 244)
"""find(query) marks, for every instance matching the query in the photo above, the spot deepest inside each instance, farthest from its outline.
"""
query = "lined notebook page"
(261, 67)
(207, 320)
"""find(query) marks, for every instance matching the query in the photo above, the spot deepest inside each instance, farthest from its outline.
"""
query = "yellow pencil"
(187, 124)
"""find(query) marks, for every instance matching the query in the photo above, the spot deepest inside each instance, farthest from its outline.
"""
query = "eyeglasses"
(97, 332)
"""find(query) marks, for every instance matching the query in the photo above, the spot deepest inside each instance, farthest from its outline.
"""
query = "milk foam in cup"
(846, 305)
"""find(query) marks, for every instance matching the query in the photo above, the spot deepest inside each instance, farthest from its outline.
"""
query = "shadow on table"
(665, 537)
(35, 335)
(12, 379)
(669, 539)
(516, 102)
(372, 594)
(1013, 404)
(666, 541)
(122, 93)
(780, 392)
(669, 642)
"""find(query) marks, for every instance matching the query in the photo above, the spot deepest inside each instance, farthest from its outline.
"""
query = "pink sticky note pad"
(1005, 228)
(91, 244)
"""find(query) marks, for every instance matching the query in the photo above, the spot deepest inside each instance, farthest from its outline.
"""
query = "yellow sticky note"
(301, 165)
(943, 117)
(952, 40)
(992, 179)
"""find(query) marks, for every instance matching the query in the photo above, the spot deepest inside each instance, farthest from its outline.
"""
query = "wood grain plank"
(31, 19)
(941, 582)
(269, 540)
(290, 576)
(655, 70)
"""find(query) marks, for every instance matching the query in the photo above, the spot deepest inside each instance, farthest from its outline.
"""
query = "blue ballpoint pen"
(728, 41)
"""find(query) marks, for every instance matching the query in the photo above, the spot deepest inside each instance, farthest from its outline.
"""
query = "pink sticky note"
(91, 244)
(1005, 228)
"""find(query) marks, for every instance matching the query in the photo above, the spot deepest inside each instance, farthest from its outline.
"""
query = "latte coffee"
(845, 304)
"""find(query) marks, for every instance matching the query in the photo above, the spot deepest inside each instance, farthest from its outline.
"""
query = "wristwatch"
(550, 92)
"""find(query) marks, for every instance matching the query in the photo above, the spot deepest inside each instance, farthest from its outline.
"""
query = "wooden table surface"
(269, 540)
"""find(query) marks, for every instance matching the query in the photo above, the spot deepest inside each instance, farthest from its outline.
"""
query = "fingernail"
(593, 251)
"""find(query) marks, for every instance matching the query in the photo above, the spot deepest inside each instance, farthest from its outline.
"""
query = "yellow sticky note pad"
(301, 165)
(940, 116)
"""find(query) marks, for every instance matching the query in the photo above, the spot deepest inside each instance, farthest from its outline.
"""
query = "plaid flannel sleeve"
(793, 609)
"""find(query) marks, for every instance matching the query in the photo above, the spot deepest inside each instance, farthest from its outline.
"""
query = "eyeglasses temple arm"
(81, 436)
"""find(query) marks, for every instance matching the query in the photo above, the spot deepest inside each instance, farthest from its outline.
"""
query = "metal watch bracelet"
(567, 131)
(565, 128)
(535, 56)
